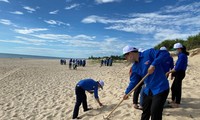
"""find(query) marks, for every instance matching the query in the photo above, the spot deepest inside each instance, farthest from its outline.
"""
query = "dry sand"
(33, 89)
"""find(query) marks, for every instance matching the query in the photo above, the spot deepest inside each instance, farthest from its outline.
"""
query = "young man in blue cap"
(89, 85)
(156, 84)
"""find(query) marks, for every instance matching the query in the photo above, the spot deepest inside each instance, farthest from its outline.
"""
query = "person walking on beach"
(179, 73)
(91, 86)
(156, 84)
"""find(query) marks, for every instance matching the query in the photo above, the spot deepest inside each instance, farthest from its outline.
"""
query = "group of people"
(74, 63)
(62, 61)
(157, 64)
(106, 62)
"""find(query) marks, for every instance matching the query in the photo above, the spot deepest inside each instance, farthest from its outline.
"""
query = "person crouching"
(89, 85)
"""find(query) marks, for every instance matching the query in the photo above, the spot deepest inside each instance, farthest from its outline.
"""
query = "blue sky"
(81, 28)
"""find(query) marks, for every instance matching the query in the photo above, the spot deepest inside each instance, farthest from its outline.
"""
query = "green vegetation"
(192, 42)
(114, 57)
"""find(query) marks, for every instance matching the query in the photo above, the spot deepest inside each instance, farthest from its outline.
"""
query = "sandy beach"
(39, 89)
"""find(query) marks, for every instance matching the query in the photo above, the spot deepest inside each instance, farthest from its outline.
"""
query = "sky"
(84, 28)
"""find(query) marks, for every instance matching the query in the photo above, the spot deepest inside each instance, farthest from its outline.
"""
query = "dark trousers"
(136, 94)
(153, 105)
(177, 86)
(80, 98)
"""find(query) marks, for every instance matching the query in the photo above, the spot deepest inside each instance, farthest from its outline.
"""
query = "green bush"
(192, 42)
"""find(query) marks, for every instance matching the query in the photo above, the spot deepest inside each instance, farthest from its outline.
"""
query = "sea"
(8, 55)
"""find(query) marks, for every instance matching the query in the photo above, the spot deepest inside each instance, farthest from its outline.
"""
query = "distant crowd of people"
(74, 63)
(62, 61)
(106, 62)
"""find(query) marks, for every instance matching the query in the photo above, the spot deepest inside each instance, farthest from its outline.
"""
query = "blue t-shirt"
(89, 84)
(181, 63)
(156, 82)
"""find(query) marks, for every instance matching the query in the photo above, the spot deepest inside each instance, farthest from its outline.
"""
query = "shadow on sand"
(189, 107)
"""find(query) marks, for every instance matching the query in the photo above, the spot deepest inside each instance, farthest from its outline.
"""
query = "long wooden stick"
(128, 95)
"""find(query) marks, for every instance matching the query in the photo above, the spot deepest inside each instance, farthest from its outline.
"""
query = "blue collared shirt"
(156, 82)
(89, 84)
(181, 63)
(168, 65)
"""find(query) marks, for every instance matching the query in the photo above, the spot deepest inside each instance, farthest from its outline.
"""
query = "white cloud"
(153, 23)
(54, 12)
(13, 41)
(167, 34)
(5, 22)
(64, 37)
(29, 9)
(52, 36)
(85, 37)
(4, 1)
(55, 22)
(71, 6)
(84, 43)
(96, 19)
(141, 29)
(32, 41)
(106, 1)
(17, 13)
(28, 31)
(23, 40)
(52, 22)
(193, 7)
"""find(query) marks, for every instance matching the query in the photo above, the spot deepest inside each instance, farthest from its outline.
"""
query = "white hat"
(128, 49)
(141, 50)
(178, 45)
(163, 48)
(101, 82)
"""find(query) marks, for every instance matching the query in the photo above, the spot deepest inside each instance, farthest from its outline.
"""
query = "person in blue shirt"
(179, 73)
(156, 84)
(169, 65)
(137, 91)
(91, 86)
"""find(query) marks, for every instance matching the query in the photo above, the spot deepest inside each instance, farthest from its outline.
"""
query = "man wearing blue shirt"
(89, 85)
(156, 84)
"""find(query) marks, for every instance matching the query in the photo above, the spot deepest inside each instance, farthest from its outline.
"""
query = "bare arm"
(100, 104)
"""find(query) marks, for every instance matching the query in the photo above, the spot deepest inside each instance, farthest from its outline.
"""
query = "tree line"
(192, 42)
(114, 57)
